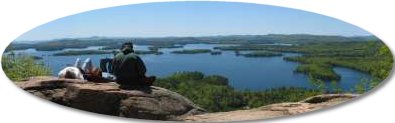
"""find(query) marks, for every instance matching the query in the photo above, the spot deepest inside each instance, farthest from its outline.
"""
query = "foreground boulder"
(274, 110)
(107, 98)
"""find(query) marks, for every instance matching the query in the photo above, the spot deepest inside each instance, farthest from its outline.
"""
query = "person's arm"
(141, 67)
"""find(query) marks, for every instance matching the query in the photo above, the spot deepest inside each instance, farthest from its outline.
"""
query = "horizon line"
(87, 37)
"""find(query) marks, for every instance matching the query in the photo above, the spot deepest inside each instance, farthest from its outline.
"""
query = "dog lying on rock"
(86, 71)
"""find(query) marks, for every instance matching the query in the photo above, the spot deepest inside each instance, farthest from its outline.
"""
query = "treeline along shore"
(318, 59)
(174, 42)
(320, 53)
(98, 52)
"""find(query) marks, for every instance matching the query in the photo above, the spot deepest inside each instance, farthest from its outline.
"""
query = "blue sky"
(191, 19)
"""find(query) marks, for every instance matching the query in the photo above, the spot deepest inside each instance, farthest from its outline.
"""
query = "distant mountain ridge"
(59, 44)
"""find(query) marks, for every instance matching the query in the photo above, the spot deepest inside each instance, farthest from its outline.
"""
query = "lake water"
(242, 72)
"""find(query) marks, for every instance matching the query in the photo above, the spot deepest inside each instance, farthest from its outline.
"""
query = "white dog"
(71, 73)
(75, 72)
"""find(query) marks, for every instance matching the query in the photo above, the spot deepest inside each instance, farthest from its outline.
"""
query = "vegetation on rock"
(22, 67)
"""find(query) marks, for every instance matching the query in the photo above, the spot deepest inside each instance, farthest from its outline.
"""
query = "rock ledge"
(274, 110)
(106, 98)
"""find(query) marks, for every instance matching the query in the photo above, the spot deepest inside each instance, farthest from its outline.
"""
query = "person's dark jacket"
(128, 68)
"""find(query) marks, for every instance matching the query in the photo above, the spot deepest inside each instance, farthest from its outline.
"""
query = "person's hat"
(128, 46)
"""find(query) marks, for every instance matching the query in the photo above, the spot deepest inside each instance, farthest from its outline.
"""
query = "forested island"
(175, 42)
(193, 51)
(81, 52)
(98, 52)
(318, 58)
(261, 54)
(320, 52)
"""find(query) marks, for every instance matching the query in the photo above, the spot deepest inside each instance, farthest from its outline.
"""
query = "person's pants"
(86, 66)
(106, 65)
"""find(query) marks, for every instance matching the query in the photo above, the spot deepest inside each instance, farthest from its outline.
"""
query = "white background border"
(19, 16)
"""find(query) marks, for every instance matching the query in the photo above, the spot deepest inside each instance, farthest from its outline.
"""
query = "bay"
(243, 73)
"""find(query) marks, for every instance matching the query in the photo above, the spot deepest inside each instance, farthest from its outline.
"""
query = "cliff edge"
(107, 98)
(274, 110)
(157, 103)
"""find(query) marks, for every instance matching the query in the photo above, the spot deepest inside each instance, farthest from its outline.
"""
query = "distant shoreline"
(153, 37)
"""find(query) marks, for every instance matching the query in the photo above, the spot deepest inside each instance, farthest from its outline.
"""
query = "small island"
(193, 51)
(157, 47)
(141, 52)
(98, 52)
(318, 71)
(261, 54)
(152, 47)
(216, 52)
(111, 47)
(81, 52)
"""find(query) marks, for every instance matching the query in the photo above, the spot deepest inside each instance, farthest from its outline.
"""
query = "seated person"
(129, 69)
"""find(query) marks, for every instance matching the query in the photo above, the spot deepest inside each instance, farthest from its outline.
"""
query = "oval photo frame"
(197, 61)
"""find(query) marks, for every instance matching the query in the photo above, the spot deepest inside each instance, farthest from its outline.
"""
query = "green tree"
(214, 93)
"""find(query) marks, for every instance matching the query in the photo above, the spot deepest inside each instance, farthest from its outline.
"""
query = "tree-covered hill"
(59, 44)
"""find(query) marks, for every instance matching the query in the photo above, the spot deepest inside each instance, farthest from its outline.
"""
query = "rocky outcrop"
(158, 103)
(274, 110)
(107, 98)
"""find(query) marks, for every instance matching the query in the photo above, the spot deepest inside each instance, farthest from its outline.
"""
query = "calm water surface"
(242, 72)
